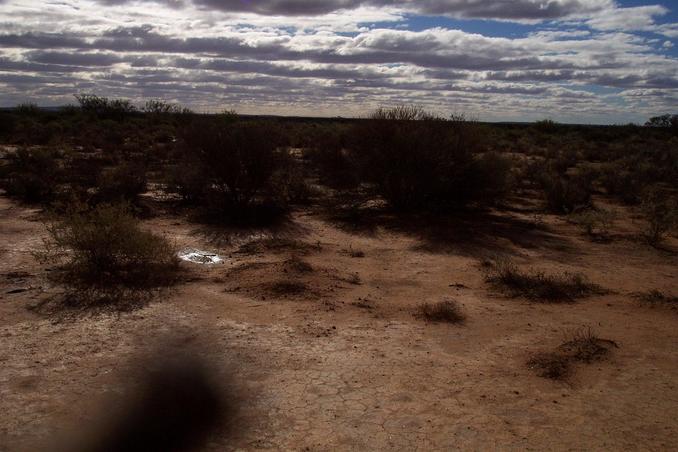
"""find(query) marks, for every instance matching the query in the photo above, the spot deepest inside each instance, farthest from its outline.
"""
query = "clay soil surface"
(312, 325)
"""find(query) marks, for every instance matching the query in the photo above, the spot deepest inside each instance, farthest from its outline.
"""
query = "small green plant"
(443, 311)
(103, 252)
(539, 286)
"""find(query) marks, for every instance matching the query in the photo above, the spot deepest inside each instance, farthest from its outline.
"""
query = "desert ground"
(311, 327)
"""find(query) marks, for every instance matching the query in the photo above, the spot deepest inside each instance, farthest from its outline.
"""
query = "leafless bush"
(539, 286)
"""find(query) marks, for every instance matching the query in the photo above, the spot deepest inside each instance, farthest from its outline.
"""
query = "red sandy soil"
(340, 362)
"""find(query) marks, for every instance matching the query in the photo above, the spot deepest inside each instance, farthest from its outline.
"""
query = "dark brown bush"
(420, 161)
(232, 164)
(123, 183)
(660, 209)
(32, 175)
(565, 194)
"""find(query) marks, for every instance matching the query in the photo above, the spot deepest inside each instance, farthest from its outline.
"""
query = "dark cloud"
(74, 58)
(488, 9)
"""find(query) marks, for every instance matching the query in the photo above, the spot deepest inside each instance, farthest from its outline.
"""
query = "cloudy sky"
(598, 61)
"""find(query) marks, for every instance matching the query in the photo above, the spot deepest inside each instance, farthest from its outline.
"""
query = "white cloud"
(333, 63)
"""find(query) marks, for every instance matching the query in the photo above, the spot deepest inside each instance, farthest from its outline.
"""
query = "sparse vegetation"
(565, 194)
(103, 252)
(583, 347)
(595, 223)
(538, 286)
(355, 253)
(442, 311)
(420, 161)
(657, 297)
(230, 167)
(287, 288)
(31, 175)
(660, 209)
(123, 183)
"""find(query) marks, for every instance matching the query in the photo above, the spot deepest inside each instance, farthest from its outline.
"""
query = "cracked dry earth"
(342, 364)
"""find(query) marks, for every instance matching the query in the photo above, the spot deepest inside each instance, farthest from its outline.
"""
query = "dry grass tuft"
(555, 366)
(584, 347)
(442, 311)
(656, 297)
(538, 286)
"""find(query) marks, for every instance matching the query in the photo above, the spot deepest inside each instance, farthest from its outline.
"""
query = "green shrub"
(103, 252)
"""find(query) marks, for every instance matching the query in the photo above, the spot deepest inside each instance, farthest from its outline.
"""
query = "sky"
(580, 61)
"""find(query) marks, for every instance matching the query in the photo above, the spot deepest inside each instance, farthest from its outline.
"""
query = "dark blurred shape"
(175, 408)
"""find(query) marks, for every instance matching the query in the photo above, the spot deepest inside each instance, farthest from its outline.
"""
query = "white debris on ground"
(199, 256)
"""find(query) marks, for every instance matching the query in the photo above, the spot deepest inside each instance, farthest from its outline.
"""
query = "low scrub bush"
(660, 208)
(596, 223)
(442, 311)
(328, 152)
(229, 168)
(289, 185)
(102, 253)
(160, 107)
(565, 194)
(420, 161)
(32, 175)
(105, 108)
(539, 286)
(123, 183)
